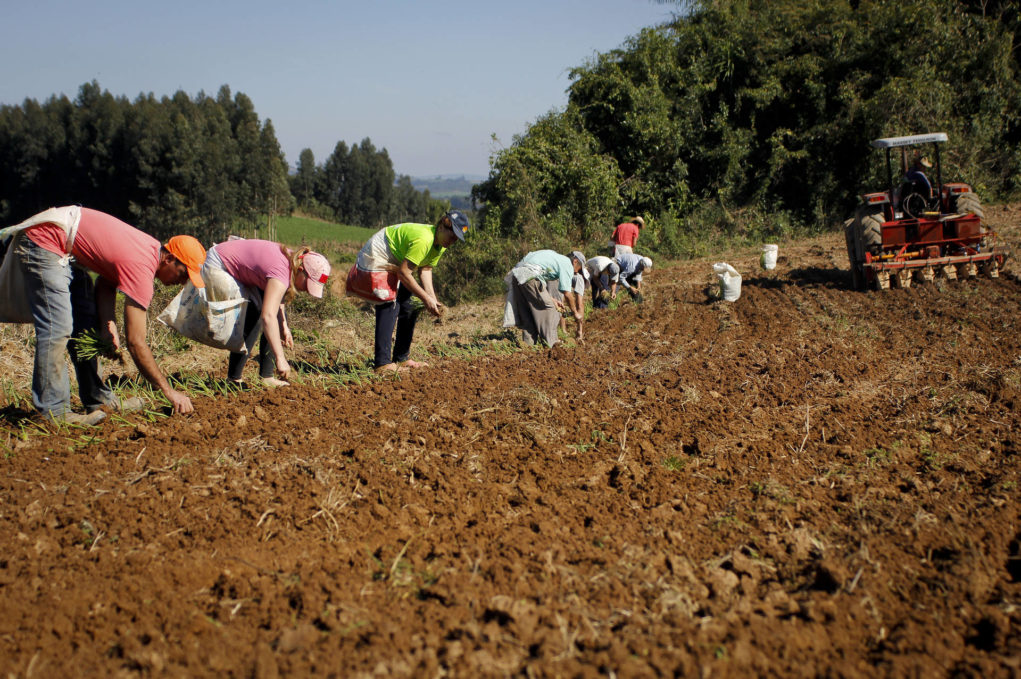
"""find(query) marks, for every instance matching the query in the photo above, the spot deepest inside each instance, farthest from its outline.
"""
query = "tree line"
(204, 166)
(171, 165)
(356, 185)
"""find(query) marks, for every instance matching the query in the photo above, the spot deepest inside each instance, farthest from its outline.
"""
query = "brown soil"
(808, 482)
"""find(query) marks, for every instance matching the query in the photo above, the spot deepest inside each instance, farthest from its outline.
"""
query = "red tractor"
(917, 227)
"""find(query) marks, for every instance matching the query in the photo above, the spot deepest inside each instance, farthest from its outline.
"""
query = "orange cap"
(191, 253)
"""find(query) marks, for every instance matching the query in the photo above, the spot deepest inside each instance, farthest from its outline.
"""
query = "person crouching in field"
(384, 275)
(529, 305)
(604, 274)
(40, 285)
(268, 274)
(631, 268)
(578, 282)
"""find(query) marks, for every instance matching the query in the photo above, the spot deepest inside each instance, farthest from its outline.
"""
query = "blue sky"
(429, 81)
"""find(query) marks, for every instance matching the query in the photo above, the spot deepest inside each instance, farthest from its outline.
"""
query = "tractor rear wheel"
(970, 203)
(872, 234)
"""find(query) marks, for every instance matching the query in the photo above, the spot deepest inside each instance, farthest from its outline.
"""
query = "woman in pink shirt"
(268, 275)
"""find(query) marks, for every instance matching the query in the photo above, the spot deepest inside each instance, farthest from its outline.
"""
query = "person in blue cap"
(396, 253)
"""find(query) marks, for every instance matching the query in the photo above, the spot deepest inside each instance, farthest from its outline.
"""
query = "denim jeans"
(402, 313)
(63, 305)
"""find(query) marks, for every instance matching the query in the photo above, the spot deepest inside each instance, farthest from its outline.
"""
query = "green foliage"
(89, 345)
(551, 180)
(358, 183)
(474, 269)
(772, 104)
(305, 183)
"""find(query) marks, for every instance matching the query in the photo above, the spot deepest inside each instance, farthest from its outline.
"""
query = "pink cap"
(317, 268)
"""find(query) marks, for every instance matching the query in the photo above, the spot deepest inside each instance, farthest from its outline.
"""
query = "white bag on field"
(768, 258)
(217, 324)
(730, 281)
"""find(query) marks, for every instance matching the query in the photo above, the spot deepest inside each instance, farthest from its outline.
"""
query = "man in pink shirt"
(64, 302)
(625, 236)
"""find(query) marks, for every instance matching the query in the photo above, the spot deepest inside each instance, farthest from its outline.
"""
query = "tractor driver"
(916, 176)
(917, 190)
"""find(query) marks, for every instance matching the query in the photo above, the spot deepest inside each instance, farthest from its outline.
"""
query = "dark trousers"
(93, 391)
(400, 313)
(267, 362)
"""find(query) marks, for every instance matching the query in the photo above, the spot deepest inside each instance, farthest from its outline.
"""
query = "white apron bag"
(14, 306)
(218, 322)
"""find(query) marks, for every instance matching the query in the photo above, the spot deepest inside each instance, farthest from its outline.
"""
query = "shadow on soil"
(810, 277)
(13, 416)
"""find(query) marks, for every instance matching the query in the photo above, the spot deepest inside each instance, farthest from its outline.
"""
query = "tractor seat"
(917, 196)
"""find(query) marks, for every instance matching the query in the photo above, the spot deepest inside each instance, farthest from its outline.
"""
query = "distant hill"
(442, 185)
(455, 188)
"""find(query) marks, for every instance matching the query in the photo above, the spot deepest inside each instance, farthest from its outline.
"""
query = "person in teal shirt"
(529, 305)
(403, 249)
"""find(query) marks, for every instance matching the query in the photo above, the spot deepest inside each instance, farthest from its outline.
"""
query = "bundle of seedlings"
(89, 345)
(418, 306)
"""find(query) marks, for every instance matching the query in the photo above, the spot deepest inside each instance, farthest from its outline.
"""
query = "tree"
(553, 180)
(408, 204)
(305, 182)
(358, 183)
(768, 107)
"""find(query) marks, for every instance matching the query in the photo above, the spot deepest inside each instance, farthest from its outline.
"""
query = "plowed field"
(808, 482)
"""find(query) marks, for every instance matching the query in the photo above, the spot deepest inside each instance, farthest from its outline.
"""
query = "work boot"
(125, 405)
(129, 404)
(85, 419)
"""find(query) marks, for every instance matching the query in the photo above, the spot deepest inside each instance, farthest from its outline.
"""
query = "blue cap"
(458, 222)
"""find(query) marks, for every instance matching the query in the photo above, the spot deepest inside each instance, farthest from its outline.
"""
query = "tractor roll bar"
(893, 142)
(890, 143)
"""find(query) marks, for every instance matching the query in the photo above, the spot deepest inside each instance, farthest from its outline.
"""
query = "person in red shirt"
(625, 236)
(62, 301)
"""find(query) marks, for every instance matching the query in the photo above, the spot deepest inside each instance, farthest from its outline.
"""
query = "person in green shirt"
(403, 249)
